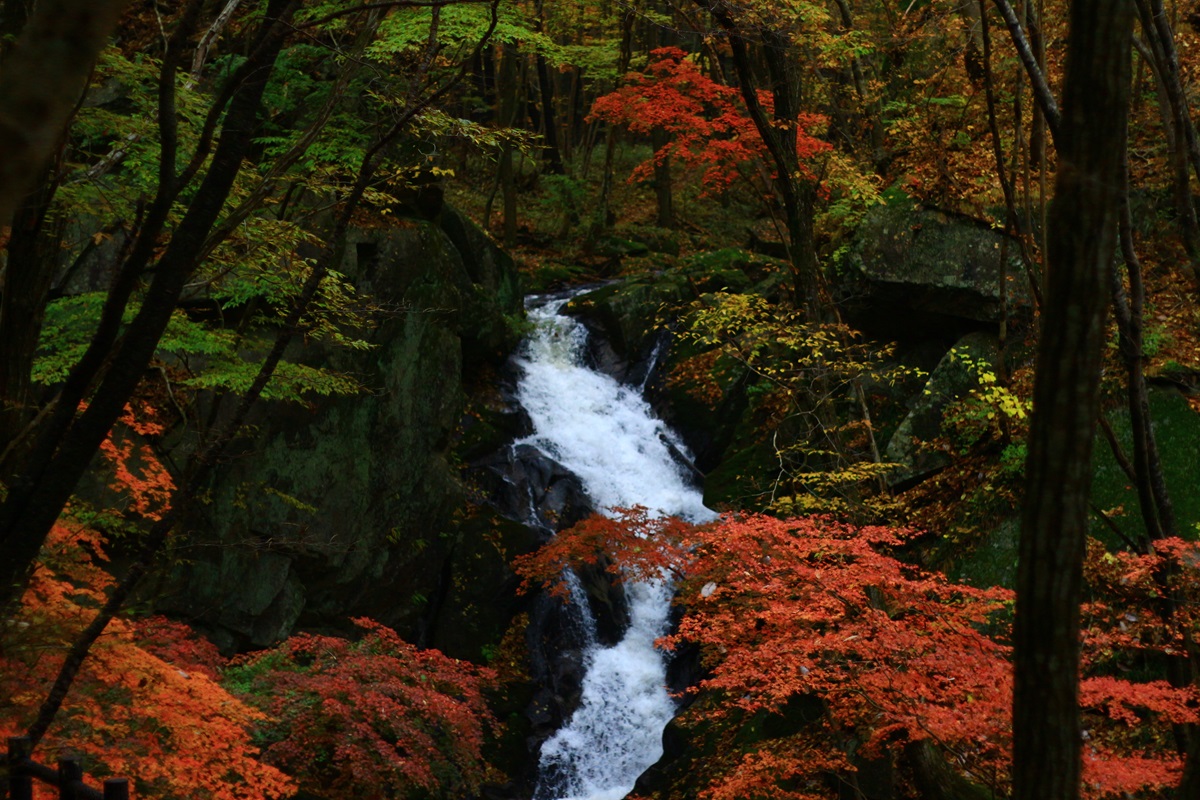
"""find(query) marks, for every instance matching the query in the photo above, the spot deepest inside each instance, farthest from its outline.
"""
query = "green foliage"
(597, 60)
(66, 330)
(852, 193)
(1012, 459)
(1154, 338)
(564, 200)
(213, 357)
(112, 163)
(990, 411)
(1177, 428)
(406, 31)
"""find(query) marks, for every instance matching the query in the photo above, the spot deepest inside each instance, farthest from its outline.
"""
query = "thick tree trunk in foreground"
(41, 81)
(1083, 225)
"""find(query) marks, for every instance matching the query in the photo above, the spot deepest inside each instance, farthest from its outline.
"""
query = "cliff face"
(354, 506)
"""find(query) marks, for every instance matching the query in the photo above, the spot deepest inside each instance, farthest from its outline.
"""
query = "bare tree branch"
(1041, 89)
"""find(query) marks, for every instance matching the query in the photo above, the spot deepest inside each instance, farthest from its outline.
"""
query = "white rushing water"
(608, 436)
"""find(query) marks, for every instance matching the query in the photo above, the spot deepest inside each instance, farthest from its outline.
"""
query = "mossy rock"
(627, 312)
(743, 478)
(349, 506)
(479, 594)
(656, 240)
(951, 380)
(733, 269)
(912, 269)
(616, 247)
(993, 560)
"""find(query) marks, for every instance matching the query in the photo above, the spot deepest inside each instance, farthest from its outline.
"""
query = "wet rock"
(358, 501)
(556, 639)
(524, 484)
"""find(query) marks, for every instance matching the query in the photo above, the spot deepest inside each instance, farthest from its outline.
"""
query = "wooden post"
(70, 775)
(20, 783)
(116, 789)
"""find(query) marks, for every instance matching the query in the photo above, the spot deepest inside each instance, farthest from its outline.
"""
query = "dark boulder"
(354, 505)
(911, 446)
(914, 271)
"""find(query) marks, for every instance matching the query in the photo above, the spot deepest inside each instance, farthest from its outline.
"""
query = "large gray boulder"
(913, 269)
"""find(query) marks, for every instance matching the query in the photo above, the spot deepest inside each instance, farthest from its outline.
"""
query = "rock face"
(354, 506)
(914, 269)
(949, 381)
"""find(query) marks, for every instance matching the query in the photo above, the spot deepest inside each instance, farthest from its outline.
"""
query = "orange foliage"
(814, 607)
(168, 726)
(632, 545)
(137, 472)
(814, 619)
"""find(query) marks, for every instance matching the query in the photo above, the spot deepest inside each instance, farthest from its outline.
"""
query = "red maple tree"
(371, 718)
(152, 713)
(817, 612)
(707, 126)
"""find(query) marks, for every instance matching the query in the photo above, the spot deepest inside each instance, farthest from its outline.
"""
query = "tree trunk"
(508, 87)
(1083, 223)
(546, 93)
(659, 139)
(13, 15)
(27, 275)
(41, 81)
(936, 779)
(1158, 515)
(779, 132)
(36, 498)
(599, 223)
(1183, 149)
(871, 109)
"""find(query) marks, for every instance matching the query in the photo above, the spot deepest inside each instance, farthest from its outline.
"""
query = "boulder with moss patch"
(354, 505)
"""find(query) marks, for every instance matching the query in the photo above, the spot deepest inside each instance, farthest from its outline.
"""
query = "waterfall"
(607, 435)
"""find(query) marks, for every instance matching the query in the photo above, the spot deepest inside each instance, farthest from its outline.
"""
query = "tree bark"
(546, 94)
(779, 133)
(936, 779)
(27, 275)
(1180, 130)
(36, 498)
(1083, 224)
(41, 81)
(1037, 79)
(40, 84)
(1158, 515)
(659, 139)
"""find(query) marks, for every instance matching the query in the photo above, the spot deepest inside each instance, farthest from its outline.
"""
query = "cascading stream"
(608, 436)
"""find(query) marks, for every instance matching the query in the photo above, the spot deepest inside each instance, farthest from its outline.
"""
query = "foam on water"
(609, 437)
